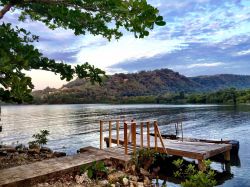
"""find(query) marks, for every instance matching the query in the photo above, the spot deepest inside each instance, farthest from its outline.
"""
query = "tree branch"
(5, 9)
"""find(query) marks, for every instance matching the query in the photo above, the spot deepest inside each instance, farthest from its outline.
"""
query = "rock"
(79, 179)
(133, 184)
(125, 181)
(34, 146)
(144, 172)
(49, 155)
(146, 181)
(4, 153)
(6, 146)
(133, 178)
(140, 184)
(8, 150)
(115, 177)
(22, 151)
(82, 178)
(117, 184)
(112, 185)
(33, 151)
(45, 150)
(133, 168)
(59, 154)
(103, 183)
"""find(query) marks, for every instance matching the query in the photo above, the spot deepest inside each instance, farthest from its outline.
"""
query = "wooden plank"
(110, 133)
(29, 174)
(148, 134)
(156, 135)
(126, 138)
(101, 135)
(118, 132)
(142, 135)
(227, 156)
(159, 134)
(133, 136)
(195, 150)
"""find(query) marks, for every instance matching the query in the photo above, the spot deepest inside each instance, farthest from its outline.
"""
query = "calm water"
(75, 126)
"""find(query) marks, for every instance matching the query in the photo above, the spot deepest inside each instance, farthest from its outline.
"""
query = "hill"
(138, 87)
(222, 81)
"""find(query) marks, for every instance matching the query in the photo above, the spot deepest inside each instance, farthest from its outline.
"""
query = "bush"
(193, 177)
(96, 170)
(40, 138)
(144, 158)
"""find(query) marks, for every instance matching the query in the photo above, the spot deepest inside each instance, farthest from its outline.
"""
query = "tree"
(107, 18)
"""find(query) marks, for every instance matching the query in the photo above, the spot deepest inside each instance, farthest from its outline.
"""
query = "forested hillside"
(145, 86)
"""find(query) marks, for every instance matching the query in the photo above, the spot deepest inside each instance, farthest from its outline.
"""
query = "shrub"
(40, 138)
(144, 158)
(193, 177)
(95, 170)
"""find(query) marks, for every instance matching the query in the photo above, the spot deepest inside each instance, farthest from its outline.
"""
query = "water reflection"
(75, 126)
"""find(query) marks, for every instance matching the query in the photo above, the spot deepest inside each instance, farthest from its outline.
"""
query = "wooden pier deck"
(27, 175)
(129, 141)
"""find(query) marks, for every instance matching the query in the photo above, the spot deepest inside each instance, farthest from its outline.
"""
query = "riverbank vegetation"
(226, 96)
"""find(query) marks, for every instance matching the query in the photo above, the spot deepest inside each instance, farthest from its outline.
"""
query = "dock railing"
(129, 132)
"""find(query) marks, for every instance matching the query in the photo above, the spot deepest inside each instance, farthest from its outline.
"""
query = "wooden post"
(181, 132)
(117, 132)
(156, 135)
(101, 135)
(201, 165)
(141, 135)
(227, 156)
(126, 138)
(148, 134)
(110, 133)
(161, 140)
(133, 136)
(227, 161)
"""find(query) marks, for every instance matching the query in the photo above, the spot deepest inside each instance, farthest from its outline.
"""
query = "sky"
(201, 37)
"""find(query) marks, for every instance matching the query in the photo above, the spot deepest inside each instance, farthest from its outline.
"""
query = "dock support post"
(118, 132)
(201, 165)
(141, 135)
(133, 136)
(227, 161)
(110, 133)
(101, 135)
(126, 138)
(156, 135)
(227, 156)
(148, 134)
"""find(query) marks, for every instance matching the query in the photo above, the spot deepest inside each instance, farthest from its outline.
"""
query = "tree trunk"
(5, 9)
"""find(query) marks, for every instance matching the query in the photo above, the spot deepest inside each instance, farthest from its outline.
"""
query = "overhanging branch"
(5, 9)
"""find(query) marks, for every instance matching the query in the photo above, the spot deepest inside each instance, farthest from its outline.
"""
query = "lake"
(76, 126)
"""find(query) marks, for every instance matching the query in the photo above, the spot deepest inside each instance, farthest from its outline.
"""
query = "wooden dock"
(136, 135)
(27, 175)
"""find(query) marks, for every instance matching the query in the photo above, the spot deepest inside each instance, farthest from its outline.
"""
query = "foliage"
(95, 170)
(158, 86)
(106, 18)
(144, 158)
(193, 177)
(40, 138)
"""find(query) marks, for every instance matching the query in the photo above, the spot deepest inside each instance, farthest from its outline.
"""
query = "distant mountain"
(121, 86)
(222, 81)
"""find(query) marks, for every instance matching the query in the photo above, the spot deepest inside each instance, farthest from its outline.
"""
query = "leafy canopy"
(108, 18)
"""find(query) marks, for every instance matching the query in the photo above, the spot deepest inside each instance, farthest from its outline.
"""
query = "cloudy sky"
(201, 37)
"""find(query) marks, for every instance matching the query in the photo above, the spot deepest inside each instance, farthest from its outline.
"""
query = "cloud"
(198, 65)
(241, 53)
(200, 37)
